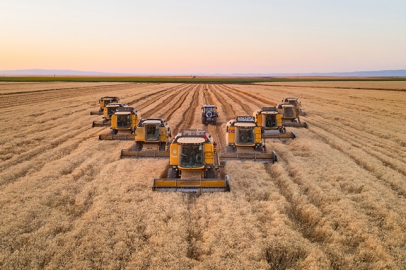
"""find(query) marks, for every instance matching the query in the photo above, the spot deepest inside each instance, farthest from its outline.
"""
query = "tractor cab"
(209, 114)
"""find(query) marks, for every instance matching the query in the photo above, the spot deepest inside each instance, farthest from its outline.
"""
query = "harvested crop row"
(48, 128)
(299, 216)
(164, 101)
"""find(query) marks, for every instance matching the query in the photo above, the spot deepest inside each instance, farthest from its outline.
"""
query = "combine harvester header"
(193, 165)
(245, 142)
(271, 121)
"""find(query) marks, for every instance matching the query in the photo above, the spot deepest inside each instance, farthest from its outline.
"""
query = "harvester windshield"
(270, 120)
(245, 135)
(152, 132)
(111, 111)
(288, 111)
(191, 155)
(124, 121)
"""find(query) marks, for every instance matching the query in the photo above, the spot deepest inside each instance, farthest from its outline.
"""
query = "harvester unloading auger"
(152, 137)
(108, 112)
(271, 121)
(123, 124)
(193, 165)
(244, 142)
(103, 101)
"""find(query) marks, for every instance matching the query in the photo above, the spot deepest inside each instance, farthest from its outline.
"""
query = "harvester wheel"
(172, 173)
(138, 146)
(274, 157)
(114, 131)
(211, 173)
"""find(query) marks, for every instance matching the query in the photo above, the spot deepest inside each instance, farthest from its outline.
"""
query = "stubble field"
(336, 198)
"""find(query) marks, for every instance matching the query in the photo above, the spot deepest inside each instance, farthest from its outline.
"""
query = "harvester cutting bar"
(295, 124)
(103, 123)
(122, 137)
(192, 185)
(130, 153)
(96, 113)
(275, 134)
(254, 156)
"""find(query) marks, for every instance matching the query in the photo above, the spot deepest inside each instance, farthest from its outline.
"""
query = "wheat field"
(336, 198)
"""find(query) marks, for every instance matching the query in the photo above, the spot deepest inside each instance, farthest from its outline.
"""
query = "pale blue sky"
(183, 37)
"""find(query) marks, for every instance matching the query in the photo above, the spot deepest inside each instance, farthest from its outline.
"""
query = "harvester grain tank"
(245, 142)
(108, 112)
(152, 137)
(123, 124)
(193, 165)
(103, 101)
(209, 114)
(271, 121)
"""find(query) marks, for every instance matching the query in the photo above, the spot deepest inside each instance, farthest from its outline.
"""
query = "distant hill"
(65, 72)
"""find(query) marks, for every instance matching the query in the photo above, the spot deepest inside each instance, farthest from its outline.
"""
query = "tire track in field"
(165, 102)
(148, 95)
(382, 153)
(11, 174)
(168, 114)
(257, 97)
(300, 217)
(188, 115)
(396, 186)
(297, 214)
(215, 130)
(31, 153)
(244, 106)
(26, 99)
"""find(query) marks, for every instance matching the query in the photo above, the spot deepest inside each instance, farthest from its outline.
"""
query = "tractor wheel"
(214, 120)
(172, 173)
(203, 120)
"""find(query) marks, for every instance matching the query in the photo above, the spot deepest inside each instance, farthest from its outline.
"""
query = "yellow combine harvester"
(108, 112)
(193, 165)
(244, 142)
(103, 101)
(293, 101)
(152, 137)
(290, 116)
(271, 121)
(123, 124)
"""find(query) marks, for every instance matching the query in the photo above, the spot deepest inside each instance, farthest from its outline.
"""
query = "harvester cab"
(103, 101)
(209, 114)
(290, 116)
(245, 142)
(123, 124)
(108, 112)
(152, 138)
(271, 121)
(193, 165)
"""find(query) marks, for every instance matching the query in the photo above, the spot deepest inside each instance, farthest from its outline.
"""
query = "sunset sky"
(222, 36)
